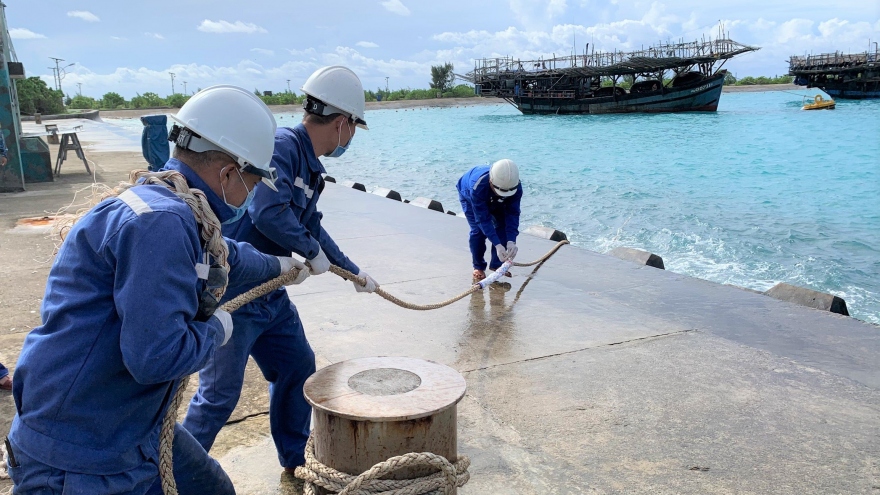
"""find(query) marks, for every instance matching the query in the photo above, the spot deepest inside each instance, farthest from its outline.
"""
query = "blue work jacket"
(289, 221)
(474, 188)
(118, 331)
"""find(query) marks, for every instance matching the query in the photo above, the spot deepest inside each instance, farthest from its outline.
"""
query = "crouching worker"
(131, 307)
(490, 199)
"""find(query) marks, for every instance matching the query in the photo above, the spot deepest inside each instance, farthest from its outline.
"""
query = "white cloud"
(396, 7)
(24, 34)
(263, 51)
(117, 38)
(223, 27)
(536, 13)
(155, 35)
(129, 81)
(84, 15)
(367, 44)
(308, 52)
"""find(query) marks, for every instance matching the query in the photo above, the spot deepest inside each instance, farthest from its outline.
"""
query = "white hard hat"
(504, 177)
(337, 90)
(232, 120)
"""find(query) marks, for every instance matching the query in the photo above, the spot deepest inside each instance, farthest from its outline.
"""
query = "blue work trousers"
(195, 472)
(478, 238)
(269, 329)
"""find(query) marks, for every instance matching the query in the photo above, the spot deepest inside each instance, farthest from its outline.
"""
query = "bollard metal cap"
(382, 389)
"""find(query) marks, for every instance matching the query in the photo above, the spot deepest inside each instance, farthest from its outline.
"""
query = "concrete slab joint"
(430, 204)
(546, 233)
(328, 178)
(638, 256)
(808, 297)
(354, 185)
(387, 193)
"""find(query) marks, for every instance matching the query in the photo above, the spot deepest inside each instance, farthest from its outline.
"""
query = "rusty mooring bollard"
(368, 410)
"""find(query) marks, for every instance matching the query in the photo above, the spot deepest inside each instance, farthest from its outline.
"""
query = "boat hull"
(852, 91)
(701, 96)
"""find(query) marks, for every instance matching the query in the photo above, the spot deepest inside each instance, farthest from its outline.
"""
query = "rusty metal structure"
(841, 75)
(612, 82)
(27, 156)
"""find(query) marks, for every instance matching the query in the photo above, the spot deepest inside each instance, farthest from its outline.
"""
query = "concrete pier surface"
(588, 374)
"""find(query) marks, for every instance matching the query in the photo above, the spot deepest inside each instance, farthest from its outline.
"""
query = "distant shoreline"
(754, 88)
(433, 103)
(371, 105)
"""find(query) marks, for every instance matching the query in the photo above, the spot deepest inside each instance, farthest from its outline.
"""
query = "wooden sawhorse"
(70, 142)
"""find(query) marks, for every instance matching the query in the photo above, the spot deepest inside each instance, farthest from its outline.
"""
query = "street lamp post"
(61, 74)
(172, 82)
(80, 86)
(288, 86)
(184, 88)
(56, 71)
(386, 84)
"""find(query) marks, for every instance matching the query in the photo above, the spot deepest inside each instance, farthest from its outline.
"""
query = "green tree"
(112, 100)
(729, 79)
(177, 100)
(34, 96)
(442, 77)
(81, 102)
(147, 100)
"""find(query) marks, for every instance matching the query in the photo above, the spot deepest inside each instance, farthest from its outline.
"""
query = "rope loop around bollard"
(166, 472)
(449, 475)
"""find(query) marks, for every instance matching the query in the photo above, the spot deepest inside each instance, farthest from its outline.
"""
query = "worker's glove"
(371, 284)
(288, 263)
(319, 264)
(511, 250)
(502, 253)
(225, 319)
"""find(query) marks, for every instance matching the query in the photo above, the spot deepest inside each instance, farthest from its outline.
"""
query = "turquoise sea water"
(754, 194)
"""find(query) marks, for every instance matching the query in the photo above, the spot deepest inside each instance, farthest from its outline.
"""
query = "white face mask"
(339, 148)
(238, 211)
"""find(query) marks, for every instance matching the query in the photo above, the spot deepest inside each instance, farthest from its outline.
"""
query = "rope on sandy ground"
(166, 438)
(444, 481)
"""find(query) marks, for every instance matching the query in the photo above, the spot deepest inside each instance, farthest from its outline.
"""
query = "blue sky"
(130, 47)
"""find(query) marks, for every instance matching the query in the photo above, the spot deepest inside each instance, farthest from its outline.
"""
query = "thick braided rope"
(347, 275)
(545, 257)
(210, 231)
(447, 477)
(167, 435)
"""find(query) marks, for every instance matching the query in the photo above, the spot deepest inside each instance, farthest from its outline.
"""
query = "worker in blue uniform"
(269, 328)
(128, 311)
(490, 199)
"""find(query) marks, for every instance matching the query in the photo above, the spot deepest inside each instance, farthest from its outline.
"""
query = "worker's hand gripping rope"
(495, 276)
(288, 263)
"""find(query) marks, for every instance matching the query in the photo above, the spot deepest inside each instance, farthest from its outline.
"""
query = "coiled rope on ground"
(449, 475)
